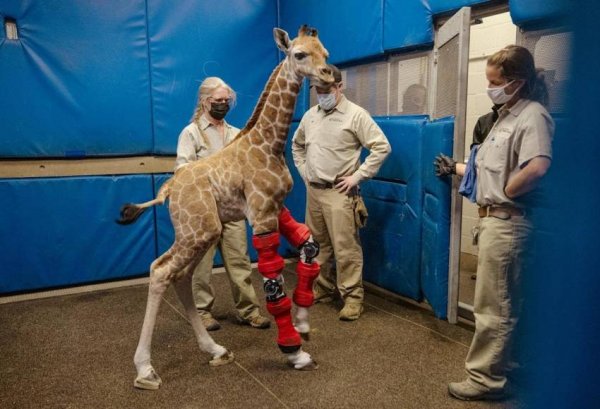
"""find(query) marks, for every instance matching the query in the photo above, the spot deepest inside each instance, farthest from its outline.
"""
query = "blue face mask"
(326, 101)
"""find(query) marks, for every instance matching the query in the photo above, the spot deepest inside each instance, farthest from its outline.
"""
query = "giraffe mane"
(261, 102)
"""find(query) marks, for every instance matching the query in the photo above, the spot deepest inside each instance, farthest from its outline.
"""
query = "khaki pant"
(330, 218)
(233, 245)
(497, 303)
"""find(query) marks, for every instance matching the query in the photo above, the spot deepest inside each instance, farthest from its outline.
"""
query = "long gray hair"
(208, 86)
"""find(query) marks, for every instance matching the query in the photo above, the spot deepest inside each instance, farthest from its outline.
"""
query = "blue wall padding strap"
(76, 81)
(232, 40)
(435, 254)
(350, 30)
(392, 238)
(443, 6)
(406, 24)
(538, 13)
(62, 231)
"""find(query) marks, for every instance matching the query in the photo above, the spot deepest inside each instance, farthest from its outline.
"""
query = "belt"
(325, 185)
(500, 212)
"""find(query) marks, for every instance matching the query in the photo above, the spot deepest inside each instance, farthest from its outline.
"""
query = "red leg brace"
(296, 233)
(270, 265)
(303, 294)
(288, 338)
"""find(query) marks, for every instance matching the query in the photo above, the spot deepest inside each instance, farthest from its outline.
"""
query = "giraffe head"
(306, 55)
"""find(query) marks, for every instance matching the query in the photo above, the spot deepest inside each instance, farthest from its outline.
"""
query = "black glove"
(444, 165)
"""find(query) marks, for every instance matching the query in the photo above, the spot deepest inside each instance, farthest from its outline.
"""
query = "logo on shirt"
(335, 120)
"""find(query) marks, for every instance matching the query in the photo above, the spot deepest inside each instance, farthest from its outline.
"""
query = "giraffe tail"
(131, 211)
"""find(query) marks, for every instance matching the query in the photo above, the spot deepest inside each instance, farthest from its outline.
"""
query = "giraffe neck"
(275, 118)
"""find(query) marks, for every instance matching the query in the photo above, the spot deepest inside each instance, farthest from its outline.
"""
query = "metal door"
(448, 94)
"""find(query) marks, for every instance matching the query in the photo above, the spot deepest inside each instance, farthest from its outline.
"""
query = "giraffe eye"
(300, 55)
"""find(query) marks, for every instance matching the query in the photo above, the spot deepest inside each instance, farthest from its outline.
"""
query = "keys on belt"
(500, 212)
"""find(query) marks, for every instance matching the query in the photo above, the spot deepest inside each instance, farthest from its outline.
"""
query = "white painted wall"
(494, 33)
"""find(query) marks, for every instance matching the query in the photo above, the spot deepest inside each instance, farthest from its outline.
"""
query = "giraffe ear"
(282, 39)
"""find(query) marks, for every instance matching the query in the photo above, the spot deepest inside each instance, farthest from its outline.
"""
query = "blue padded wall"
(443, 6)
(538, 13)
(435, 255)
(303, 101)
(296, 199)
(392, 238)
(350, 31)
(232, 40)
(406, 24)
(564, 284)
(75, 83)
(61, 231)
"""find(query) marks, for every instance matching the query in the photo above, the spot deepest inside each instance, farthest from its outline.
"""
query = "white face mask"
(499, 96)
(326, 101)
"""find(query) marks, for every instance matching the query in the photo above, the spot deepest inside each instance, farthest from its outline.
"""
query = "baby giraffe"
(247, 179)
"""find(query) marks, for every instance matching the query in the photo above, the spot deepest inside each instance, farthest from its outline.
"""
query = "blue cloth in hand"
(468, 185)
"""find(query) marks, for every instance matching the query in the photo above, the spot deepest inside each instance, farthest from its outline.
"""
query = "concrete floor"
(76, 351)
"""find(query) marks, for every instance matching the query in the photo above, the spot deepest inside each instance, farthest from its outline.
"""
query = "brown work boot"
(465, 390)
(322, 296)
(351, 312)
(258, 321)
(208, 321)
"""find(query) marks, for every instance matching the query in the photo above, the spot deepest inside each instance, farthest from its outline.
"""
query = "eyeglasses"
(220, 100)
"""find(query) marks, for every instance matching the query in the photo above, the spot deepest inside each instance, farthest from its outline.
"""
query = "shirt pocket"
(201, 149)
(497, 153)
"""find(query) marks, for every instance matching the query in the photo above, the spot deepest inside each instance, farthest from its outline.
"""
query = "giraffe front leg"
(304, 296)
(147, 378)
(307, 270)
(270, 265)
(220, 355)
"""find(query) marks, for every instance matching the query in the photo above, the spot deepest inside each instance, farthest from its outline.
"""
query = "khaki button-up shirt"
(520, 134)
(198, 141)
(327, 145)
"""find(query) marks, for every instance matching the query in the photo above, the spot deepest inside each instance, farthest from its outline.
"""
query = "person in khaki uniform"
(509, 164)
(208, 133)
(326, 149)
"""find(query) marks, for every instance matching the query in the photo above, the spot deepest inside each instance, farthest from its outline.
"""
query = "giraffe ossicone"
(249, 179)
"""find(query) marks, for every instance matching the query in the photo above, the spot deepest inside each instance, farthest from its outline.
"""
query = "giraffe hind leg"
(147, 378)
(220, 355)
(162, 272)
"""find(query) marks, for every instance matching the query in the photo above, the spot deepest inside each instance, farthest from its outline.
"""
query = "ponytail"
(516, 63)
(538, 90)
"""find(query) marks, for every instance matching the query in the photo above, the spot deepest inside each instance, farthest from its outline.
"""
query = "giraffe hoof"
(311, 366)
(224, 359)
(151, 382)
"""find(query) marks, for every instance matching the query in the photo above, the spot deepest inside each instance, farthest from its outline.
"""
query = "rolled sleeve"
(371, 137)
(536, 138)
